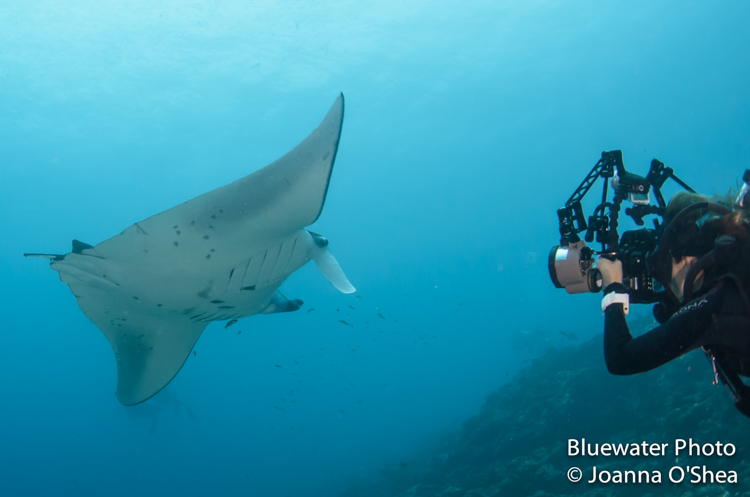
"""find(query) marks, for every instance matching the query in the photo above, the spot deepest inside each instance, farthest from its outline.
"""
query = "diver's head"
(684, 241)
(691, 227)
(704, 238)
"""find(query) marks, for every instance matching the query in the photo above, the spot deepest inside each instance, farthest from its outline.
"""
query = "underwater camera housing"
(572, 264)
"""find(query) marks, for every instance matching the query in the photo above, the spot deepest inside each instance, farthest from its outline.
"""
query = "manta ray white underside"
(154, 288)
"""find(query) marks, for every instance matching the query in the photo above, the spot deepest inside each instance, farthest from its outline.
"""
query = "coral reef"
(517, 445)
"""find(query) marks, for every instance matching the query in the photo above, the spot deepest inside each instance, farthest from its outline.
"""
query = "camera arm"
(658, 174)
(572, 220)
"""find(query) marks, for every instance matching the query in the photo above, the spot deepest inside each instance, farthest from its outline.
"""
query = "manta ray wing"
(153, 288)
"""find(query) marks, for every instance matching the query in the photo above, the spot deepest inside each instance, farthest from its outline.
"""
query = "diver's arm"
(626, 355)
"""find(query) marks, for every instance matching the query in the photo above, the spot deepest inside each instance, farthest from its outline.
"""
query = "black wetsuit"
(715, 321)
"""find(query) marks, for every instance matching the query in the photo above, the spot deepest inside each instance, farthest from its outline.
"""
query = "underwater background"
(467, 125)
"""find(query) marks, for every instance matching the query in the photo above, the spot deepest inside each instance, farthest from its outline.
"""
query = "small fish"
(360, 297)
(193, 353)
(344, 322)
(342, 411)
(311, 309)
(279, 408)
(352, 308)
(381, 315)
(230, 323)
(569, 335)
(278, 366)
(239, 331)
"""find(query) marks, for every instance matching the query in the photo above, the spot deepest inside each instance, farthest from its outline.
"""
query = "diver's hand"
(611, 271)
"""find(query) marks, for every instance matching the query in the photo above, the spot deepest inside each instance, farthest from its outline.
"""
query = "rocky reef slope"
(517, 444)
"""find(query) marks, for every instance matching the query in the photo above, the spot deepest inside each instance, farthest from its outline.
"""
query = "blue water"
(468, 123)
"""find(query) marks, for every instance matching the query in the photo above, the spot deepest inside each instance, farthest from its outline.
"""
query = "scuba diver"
(703, 263)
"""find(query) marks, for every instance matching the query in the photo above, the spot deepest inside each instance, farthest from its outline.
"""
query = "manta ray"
(154, 288)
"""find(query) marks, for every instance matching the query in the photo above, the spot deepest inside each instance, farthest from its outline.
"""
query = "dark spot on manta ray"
(226, 307)
(210, 227)
(175, 226)
(188, 311)
(213, 217)
(176, 244)
(249, 287)
(158, 305)
(217, 301)
(208, 256)
(135, 298)
(213, 250)
(206, 237)
(179, 232)
(221, 210)
(231, 273)
(192, 222)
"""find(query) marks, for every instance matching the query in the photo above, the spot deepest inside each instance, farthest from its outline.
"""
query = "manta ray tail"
(329, 266)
